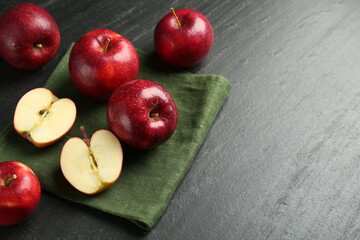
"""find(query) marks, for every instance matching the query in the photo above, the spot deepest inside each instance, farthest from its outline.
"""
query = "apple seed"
(44, 111)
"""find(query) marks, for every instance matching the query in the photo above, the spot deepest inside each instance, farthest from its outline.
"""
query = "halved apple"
(92, 165)
(42, 118)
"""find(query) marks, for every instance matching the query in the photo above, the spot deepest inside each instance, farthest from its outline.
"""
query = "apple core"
(87, 140)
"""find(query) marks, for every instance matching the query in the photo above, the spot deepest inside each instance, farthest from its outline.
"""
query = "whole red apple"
(20, 192)
(183, 38)
(100, 61)
(29, 36)
(142, 114)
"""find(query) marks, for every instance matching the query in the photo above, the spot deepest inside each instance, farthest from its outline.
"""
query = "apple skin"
(142, 114)
(185, 46)
(29, 36)
(97, 67)
(20, 198)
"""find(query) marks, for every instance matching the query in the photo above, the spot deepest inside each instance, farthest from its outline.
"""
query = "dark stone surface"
(282, 160)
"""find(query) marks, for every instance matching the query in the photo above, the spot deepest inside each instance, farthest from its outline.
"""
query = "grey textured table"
(282, 160)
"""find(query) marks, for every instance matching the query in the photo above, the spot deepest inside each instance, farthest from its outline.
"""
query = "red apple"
(183, 38)
(29, 36)
(20, 192)
(142, 114)
(100, 61)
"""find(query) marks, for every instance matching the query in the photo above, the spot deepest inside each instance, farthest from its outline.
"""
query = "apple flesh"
(20, 192)
(142, 114)
(29, 36)
(92, 165)
(183, 38)
(42, 118)
(100, 61)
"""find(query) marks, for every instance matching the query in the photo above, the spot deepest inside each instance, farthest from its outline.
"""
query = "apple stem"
(38, 45)
(10, 180)
(154, 115)
(176, 17)
(107, 41)
(86, 138)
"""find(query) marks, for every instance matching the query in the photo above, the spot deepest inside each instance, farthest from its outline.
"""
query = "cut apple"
(42, 118)
(92, 165)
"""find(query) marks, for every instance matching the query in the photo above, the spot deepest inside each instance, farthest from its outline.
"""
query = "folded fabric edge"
(148, 225)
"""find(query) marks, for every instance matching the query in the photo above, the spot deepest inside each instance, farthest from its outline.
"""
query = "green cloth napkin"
(149, 178)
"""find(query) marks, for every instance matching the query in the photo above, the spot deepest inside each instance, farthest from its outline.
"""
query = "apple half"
(42, 118)
(92, 165)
